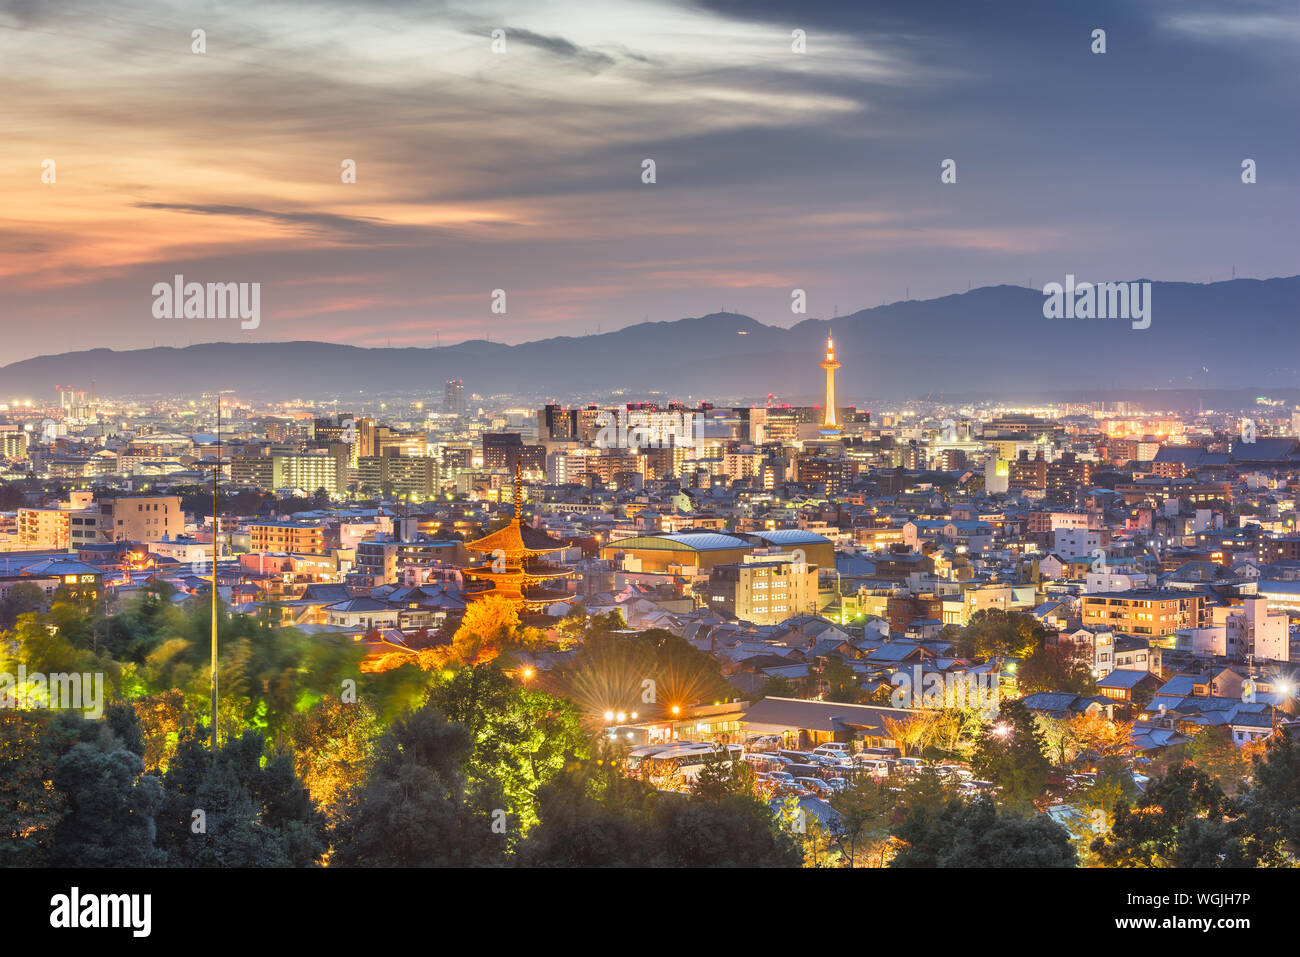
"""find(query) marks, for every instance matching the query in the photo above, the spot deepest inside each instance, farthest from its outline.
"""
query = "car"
(882, 754)
(953, 771)
(804, 770)
(798, 757)
(815, 786)
(834, 747)
(877, 768)
(833, 759)
(780, 777)
(837, 784)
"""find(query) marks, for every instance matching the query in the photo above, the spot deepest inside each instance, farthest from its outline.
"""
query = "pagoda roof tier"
(545, 596)
(513, 575)
(516, 539)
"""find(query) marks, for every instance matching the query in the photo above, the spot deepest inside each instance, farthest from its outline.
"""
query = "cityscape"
(651, 436)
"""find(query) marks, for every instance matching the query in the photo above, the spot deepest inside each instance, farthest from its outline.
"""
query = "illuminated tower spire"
(830, 425)
(519, 491)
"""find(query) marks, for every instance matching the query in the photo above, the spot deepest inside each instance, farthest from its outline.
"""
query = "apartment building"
(1156, 613)
(765, 590)
(300, 537)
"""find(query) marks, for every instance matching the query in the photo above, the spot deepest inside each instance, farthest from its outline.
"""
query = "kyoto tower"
(830, 426)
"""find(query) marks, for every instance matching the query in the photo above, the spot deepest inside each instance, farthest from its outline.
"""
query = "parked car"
(837, 784)
(954, 771)
(815, 786)
(833, 759)
(876, 768)
(834, 747)
(882, 754)
(804, 770)
(799, 757)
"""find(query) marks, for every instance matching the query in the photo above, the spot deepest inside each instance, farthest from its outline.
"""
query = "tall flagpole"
(216, 472)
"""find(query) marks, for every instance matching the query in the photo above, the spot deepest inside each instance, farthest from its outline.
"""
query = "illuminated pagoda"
(514, 569)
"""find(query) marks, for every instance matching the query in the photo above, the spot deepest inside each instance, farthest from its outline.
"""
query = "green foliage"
(417, 808)
(109, 807)
(1146, 833)
(1051, 668)
(993, 632)
(866, 811)
(976, 834)
(255, 810)
(1011, 753)
(594, 816)
(519, 737)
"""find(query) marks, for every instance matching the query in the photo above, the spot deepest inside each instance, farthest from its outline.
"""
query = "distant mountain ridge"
(992, 340)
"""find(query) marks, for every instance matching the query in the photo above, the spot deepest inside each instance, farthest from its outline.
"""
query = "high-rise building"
(556, 423)
(501, 449)
(453, 397)
(311, 472)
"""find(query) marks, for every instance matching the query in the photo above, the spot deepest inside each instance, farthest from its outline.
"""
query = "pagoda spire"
(519, 491)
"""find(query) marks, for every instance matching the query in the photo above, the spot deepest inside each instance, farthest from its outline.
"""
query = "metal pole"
(216, 472)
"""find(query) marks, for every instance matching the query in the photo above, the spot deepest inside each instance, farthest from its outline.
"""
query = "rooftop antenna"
(216, 535)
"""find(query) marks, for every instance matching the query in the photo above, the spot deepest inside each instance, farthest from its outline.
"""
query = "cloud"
(592, 60)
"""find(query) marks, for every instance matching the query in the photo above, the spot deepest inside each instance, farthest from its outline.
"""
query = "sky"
(522, 170)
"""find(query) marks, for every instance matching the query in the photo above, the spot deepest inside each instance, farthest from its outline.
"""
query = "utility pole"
(216, 474)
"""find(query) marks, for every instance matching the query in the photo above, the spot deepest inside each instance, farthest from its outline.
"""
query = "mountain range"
(1242, 334)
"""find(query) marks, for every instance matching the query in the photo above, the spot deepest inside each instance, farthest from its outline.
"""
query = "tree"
(1213, 751)
(1146, 833)
(1270, 809)
(239, 807)
(332, 743)
(416, 808)
(976, 834)
(23, 598)
(110, 806)
(488, 626)
(29, 808)
(1010, 753)
(840, 680)
(866, 810)
(591, 815)
(1051, 668)
(993, 632)
(519, 737)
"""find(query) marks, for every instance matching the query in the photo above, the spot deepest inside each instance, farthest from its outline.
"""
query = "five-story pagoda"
(514, 569)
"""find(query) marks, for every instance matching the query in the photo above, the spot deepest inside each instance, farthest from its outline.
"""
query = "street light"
(1286, 690)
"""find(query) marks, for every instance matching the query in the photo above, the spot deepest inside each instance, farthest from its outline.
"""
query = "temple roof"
(514, 539)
